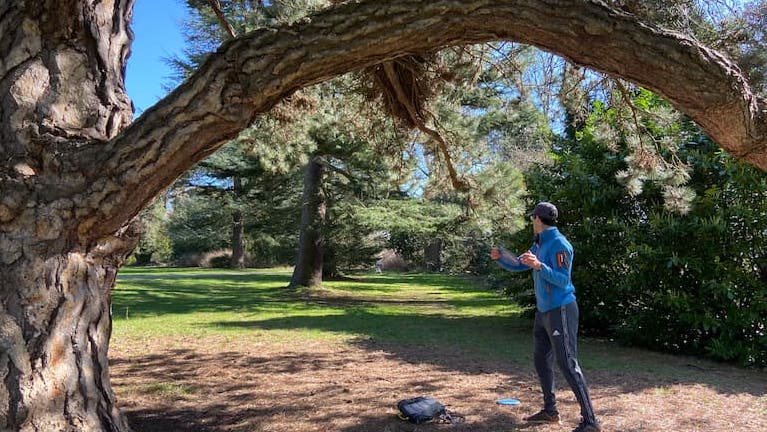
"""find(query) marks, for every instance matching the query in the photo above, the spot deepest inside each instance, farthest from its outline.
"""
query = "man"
(556, 320)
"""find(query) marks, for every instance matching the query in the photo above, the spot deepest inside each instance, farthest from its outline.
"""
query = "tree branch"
(248, 75)
(419, 122)
(216, 6)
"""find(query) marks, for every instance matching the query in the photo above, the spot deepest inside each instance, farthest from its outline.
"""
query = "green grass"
(417, 309)
(406, 309)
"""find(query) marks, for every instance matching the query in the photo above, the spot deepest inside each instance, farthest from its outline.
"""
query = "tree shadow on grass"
(192, 420)
(187, 390)
(466, 361)
(238, 386)
(181, 294)
(303, 390)
(366, 282)
(155, 293)
(430, 338)
(504, 338)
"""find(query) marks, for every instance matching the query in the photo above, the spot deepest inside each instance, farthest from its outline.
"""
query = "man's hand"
(495, 253)
(529, 259)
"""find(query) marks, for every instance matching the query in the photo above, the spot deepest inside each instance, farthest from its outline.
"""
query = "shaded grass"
(392, 309)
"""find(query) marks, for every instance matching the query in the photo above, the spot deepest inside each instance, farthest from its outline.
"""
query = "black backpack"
(423, 409)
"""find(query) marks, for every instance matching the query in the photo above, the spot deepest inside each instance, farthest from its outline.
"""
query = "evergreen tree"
(346, 165)
(229, 177)
(671, 268)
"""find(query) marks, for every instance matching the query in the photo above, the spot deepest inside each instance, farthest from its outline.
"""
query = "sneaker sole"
(544, 421)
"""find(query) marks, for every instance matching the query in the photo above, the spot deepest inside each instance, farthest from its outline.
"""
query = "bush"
(220, 258)
(221, 261)
(392, 260)
(691, 283)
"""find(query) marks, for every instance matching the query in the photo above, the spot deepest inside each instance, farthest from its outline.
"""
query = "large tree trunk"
(433, 254)
(55, 325)
(61, 89)
(238, 240)
(72, 175)
(308, 270)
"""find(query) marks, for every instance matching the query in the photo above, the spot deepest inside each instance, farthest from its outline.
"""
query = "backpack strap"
(451, 418)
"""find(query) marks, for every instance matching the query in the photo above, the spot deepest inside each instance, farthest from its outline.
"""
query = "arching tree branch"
(250, 74)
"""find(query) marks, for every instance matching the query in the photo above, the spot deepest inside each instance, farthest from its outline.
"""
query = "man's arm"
(558, 273)
(507, 260)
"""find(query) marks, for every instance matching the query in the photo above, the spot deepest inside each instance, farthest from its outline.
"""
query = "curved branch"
(248, 75)
(417, 119)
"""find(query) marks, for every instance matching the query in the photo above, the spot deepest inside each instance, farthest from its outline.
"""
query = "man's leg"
(543, 356)
(565, 339)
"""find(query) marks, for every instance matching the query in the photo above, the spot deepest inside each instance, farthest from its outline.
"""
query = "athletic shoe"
(543, 416)
(588, 427)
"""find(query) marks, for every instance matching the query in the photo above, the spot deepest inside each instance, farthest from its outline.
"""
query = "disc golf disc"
(510, 255)
(507, 401)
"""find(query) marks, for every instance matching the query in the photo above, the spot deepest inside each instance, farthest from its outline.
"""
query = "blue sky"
(157, 36)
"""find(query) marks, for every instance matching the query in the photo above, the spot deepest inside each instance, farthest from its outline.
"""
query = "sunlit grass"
(400, 308)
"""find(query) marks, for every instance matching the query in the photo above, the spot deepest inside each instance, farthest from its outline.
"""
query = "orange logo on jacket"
(563, 259)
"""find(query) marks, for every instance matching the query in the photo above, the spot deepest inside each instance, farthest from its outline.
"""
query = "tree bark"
(238, 230)
(73, 174)
(55, 325)
(433, 255)
(61, 98)
(308, 269)
(238, 240)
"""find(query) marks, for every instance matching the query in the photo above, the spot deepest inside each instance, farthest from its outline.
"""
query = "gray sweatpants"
(555, 336)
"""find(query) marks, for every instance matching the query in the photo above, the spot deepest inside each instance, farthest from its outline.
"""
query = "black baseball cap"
(545, 210)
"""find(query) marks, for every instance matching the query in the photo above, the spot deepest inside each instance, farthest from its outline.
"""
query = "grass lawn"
(223, 350)
(407, 309)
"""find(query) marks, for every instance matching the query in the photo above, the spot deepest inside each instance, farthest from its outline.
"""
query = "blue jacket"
(553, 285)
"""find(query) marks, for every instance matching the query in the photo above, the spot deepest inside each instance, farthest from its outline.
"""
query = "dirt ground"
(219, 384)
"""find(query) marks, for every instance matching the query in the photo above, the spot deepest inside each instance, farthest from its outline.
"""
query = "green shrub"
(692, 283)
